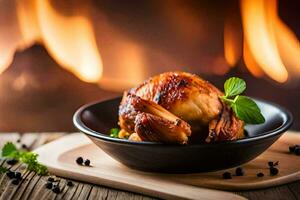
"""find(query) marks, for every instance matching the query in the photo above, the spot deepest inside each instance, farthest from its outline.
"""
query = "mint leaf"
(8, 149)
(247, 110)
(244, 107)
(114, 132)
(234, 86)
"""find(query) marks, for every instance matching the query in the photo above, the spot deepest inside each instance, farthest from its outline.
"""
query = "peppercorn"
(51, 179)
(19, 140)
(24, 146)
(297, 151)
(292, 148)
(18, 175)
(79, 160)
(56, 189)
(10, 174)
(273, 171)
(87, 162)
(15, 181)
(260, 174)
(70, 183)
(49, 185)
(270, 163)
(239, 171)
(227, 175)
(11, 161)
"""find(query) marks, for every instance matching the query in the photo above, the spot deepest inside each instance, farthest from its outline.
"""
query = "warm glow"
(28, 24)
(289, 46)
(259, 19)
(6, 56)
(129, 64)
(250, 62)
(268, 46)
(232, 49)
(71, 41)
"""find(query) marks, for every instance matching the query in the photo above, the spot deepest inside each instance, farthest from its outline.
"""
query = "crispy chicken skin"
(151, 121)
(171, 106)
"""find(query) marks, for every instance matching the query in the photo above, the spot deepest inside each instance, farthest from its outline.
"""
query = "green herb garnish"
(234, 86)
(3, 169)
(9, 150)
(244, 107)
(114, 132)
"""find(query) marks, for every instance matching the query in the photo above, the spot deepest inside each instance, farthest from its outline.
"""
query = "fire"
(70, 40)
(250, 62)
(270, 45)
(232, 49)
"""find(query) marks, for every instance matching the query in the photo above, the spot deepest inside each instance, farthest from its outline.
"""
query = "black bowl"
(96, 119)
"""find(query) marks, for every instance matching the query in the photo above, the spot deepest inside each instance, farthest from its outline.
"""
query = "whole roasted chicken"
(177, 107)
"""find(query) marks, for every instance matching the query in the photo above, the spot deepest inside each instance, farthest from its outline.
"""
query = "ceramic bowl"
(96, 119)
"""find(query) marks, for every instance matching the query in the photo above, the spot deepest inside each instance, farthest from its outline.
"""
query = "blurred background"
(58, 55)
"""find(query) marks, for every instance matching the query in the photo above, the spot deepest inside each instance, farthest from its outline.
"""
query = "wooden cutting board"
(60, 155)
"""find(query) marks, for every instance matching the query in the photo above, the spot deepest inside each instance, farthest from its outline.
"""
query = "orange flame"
(232, 48)
(273, 46)
(269, 46)
(69, 39)
(289, 46)
(251, 62)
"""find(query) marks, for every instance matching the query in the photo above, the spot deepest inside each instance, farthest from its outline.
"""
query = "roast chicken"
(178, 107)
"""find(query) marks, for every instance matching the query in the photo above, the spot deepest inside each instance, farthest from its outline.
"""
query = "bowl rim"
(79, 124)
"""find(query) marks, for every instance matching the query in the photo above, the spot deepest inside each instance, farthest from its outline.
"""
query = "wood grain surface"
(34, 185)
(104, 170)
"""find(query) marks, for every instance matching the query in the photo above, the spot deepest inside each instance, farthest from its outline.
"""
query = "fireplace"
(57, 55)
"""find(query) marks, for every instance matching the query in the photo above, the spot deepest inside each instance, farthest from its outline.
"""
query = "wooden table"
(33, 186)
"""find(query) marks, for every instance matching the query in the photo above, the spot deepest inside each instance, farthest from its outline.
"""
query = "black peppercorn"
(51, 179)
(79, 160)
(24, 146)
(10, 174)
(11, 161)
(273, 171)
(19, 140)
(270, 163)
(297, 151)
(70, 183)
(260, 174)
(18, 175)
(15, 181)
(87, 162)
(49, 185)
(56, 189)
(239, 171)
(292, 148)
(227, 175)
